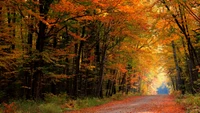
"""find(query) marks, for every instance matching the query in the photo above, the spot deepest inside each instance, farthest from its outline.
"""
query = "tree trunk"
(179, 82)
(108, 88)
(37, 77)
(123, 83)
(75, 79)
(173, 82)
(101, 73)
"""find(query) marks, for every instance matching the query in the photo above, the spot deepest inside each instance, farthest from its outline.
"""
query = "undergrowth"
(191, 102)
(56, 104)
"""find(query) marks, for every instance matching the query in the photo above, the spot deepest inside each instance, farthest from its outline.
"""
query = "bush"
(57, 104)
(50, 108)
(58, 99)
(177, 94)
(52, 104)
(27, 106)
(88, 102)
(191, 102)
(9, 108)
(118, 96)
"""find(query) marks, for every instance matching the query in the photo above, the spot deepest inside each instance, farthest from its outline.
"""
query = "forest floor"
(138, 104)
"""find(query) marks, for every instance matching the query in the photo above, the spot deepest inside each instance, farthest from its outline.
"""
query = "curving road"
(138, 104)
(146, 104)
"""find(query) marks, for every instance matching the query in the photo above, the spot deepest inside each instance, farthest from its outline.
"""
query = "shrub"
(50, 108)
(58, 99)
(88, 102)
(191, 102)
(27, 106)
(118, 96)
(9, 108)
(177, 94)
(52, 104)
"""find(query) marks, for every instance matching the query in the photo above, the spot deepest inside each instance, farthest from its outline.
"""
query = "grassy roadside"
(191, 102)
(56, 104)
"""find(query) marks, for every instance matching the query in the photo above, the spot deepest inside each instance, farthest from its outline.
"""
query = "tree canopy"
(98, 47)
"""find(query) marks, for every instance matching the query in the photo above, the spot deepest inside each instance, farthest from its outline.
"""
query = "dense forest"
(97, 48)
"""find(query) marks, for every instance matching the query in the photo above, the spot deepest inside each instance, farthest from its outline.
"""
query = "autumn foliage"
(77, 47)
(97, 48)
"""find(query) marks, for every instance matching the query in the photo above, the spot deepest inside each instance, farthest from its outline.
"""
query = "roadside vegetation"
(189, 101)
(57, 104)
(61, 55)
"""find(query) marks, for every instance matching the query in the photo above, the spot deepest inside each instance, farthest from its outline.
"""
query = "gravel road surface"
(139, 104)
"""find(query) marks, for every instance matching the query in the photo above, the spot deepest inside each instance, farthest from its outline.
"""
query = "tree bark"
(179, 82)
(101, 72)
(37, 77)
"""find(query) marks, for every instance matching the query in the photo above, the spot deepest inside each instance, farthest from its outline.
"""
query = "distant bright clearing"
(159, 81)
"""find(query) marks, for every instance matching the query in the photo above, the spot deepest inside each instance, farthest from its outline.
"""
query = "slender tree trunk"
(75, 78)
(123, 83)
(139, 85)
(53, 84)
(128, 84)
(78, 49)
(37, 77)
(14, 28)
(29, 76)
(108, 88)
(114, 91)
(80, 52)
(1, 19)
(1, 16)
(179, 83)
(69, 84)
(88, 84)
(101, 73)
(97, 56)
(173, 83)
(188, 67)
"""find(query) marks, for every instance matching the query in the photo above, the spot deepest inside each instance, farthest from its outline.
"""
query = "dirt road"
(141, 104)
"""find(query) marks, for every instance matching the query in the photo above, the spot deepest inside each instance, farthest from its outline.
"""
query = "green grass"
(57, 104)
(51, 104)
(50, 108)
(88, 102)
(27, 106)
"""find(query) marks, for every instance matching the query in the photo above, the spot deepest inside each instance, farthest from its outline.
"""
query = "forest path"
(138, 104)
